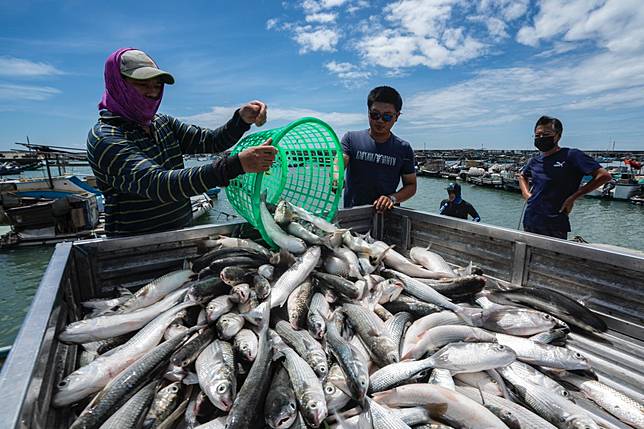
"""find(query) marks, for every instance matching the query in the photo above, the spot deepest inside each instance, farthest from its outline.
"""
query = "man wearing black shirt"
(455, 206)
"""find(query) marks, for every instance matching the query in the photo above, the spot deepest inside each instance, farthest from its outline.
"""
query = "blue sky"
(472, 73)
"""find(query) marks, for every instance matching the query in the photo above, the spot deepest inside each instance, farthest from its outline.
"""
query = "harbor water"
(598, 221)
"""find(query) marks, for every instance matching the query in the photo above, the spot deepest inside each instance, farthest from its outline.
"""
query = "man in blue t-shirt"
(376, 160)
(555, 174)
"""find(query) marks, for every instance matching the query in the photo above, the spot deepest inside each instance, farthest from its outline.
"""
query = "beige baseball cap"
(138, 65)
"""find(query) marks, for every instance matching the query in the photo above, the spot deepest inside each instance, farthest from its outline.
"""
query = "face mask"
(544, 144)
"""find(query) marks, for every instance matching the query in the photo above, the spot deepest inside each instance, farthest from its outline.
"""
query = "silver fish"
(399, 263)
(437, 337)
(425, 323)
(351, 361)
(517, 321)
(298, 303)
(266, 271)
(217, 307)
(373, 333)
(307, 387)
(155, 290)
(216, 372)
(335, 387)
(294, 276)
(446, 405)
(246, 344)
(543, 354)
(456, 357)
(228, 325)
(527, 419)
(280, 238)
(165, 402)
(280, 408)
(131, 412)
(318, 312)
(351, 259)
(430, 260)
(621, 406)
(306, 346)
(112, 325)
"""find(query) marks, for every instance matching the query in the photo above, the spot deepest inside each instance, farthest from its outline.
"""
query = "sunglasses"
(387, 117)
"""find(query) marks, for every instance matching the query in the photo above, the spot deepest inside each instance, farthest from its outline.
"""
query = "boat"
(637, 199)
(474, 173)
(38, 221)
(9, 168)
(492, 180)
(609, 281)
(625, 187)
(510, 181)
(431, 168)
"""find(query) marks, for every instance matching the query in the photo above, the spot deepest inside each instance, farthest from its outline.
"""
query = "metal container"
(610, 283)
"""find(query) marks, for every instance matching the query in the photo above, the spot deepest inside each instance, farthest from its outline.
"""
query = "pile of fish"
(333, 330)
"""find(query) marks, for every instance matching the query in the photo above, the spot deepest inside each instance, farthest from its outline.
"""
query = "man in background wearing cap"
(455, 206)
(137, 154)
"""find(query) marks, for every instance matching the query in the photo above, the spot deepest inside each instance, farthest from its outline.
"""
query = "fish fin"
(190, 379)
(187, 265)
(379, 259)
(428, 246)
(124, 291)
(584, 299)
(463, 314)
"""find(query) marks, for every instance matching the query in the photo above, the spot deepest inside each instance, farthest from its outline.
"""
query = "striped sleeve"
(128, 170)
(194, 139)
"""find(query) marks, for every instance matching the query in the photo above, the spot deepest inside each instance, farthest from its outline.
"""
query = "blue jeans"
(546, 231)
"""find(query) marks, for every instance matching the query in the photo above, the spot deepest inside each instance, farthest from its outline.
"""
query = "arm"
(525, 186)
(472, 212)
(600, 177)
(129, 170)
(408, 190)
(194, 139)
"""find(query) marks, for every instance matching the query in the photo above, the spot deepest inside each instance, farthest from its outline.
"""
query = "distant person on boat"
(555, 175)
(455, 206)
(136, 153)
(377, 160)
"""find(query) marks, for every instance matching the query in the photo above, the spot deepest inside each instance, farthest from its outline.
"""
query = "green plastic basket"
(308, 158)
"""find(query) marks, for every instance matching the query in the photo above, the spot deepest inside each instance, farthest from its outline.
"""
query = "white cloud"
(617, 25)
(18, 67)
(271, 23)
(313, 39)
(322, 18)
(312, 6)
(350, 74)
(277, 116)
(26, 92)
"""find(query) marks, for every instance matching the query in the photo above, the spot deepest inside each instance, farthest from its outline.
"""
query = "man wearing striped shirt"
(137, 154)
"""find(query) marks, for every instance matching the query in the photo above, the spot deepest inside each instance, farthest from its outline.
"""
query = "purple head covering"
(123, 99)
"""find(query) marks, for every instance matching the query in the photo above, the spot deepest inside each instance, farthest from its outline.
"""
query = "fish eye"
(578, 355)
(222, 388)
(174, 389)
(501, 347)
(291, 405)
(185, 363)
(313, 405)
(547, 316)
(329, 389)
(62, 383)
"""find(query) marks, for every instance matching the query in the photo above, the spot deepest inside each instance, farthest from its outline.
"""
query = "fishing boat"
(509, 180)
(39, 221)
(625, 187)
(9, 168)
(608, 280)
(431, 168)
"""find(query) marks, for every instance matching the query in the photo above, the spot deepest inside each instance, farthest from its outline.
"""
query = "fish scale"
(130, 413)
(305, 345)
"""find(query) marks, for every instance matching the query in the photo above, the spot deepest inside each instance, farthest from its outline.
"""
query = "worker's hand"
(258, 158)
(383, 203)
(253, 113)
(567, 205)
